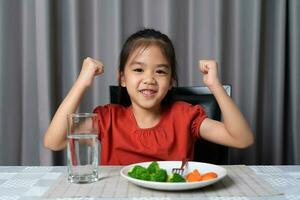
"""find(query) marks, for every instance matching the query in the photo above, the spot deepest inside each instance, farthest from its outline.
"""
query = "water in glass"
(83, 157)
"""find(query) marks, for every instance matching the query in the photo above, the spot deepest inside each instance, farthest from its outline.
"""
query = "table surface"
(32, 182)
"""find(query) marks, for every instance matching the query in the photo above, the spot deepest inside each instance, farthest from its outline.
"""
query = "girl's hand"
(90, 68)
(209, 68)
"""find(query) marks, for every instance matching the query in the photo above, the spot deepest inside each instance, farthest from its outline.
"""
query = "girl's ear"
(122, 79)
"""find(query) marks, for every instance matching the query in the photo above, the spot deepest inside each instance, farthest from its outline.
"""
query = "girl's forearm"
(234, 121)
(56, 136)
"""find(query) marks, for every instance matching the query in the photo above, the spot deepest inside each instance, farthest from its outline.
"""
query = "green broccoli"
(175, 178)
(154, 173)
(160, 176)
(139, 172)
(153, 167)
(144, 176)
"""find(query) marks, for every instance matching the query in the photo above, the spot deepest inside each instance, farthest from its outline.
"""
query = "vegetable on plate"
(154, 173)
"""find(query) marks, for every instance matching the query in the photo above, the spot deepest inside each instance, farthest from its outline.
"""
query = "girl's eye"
(161, 72)
(138, 70)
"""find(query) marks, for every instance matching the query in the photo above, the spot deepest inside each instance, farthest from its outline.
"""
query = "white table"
(22, 183)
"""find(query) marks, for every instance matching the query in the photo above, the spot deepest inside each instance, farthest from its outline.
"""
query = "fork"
(181, 169)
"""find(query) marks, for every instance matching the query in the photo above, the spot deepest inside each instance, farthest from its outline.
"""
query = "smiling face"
(147, 77)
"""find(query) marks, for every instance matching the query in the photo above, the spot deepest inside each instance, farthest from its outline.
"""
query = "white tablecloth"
(22, 183)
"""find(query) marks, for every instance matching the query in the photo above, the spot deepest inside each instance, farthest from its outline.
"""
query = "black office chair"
(205, 151)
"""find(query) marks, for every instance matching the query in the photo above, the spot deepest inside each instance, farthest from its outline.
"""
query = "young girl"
(152, 127)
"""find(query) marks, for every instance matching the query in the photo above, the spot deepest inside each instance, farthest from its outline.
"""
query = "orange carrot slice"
(193, 176)
(208, 176)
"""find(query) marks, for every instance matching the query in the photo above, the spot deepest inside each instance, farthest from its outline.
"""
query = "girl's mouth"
(147, 92)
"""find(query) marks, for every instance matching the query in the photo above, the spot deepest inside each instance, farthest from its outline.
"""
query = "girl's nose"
(149, 79)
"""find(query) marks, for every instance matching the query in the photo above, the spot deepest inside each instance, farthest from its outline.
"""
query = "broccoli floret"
(153, 167)
(154, 173)
(144, 176)
(135, 170)
(175, 178)
(139, 172)
(160, 176)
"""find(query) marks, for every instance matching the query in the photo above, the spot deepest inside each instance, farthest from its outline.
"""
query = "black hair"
(144, 38)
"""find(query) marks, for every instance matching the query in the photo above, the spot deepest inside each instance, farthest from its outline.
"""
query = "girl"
(152, 127)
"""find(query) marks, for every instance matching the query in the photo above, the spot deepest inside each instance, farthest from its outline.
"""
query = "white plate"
(168, 165)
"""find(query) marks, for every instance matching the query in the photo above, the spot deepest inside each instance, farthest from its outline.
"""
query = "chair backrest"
(205, 151)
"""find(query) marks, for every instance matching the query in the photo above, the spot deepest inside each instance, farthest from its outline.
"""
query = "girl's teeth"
(147, 92)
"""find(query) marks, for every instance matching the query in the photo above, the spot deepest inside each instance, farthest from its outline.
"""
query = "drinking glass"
(83, 148)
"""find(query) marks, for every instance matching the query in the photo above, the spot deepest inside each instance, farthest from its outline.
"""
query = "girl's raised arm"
(234, 131)
(55, 137)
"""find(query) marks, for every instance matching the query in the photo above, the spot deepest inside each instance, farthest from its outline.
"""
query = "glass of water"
(83, 148)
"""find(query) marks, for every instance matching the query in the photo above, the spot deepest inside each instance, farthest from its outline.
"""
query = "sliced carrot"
(193, 176)
(208, 176)
(196, 172)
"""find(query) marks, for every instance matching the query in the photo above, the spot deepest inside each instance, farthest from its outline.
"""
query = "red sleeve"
(191, 115)
(198, 114)
(104, 118)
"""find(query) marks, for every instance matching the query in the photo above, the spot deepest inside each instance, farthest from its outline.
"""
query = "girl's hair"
(143, 39)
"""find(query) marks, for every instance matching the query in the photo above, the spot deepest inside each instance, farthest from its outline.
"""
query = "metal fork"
(181, 169)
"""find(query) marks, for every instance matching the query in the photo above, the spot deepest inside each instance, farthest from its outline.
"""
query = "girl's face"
(147, 77)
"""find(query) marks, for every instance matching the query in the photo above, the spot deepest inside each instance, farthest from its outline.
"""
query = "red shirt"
(173, 138)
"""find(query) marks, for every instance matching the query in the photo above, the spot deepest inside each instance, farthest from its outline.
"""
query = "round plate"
(168, 165)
